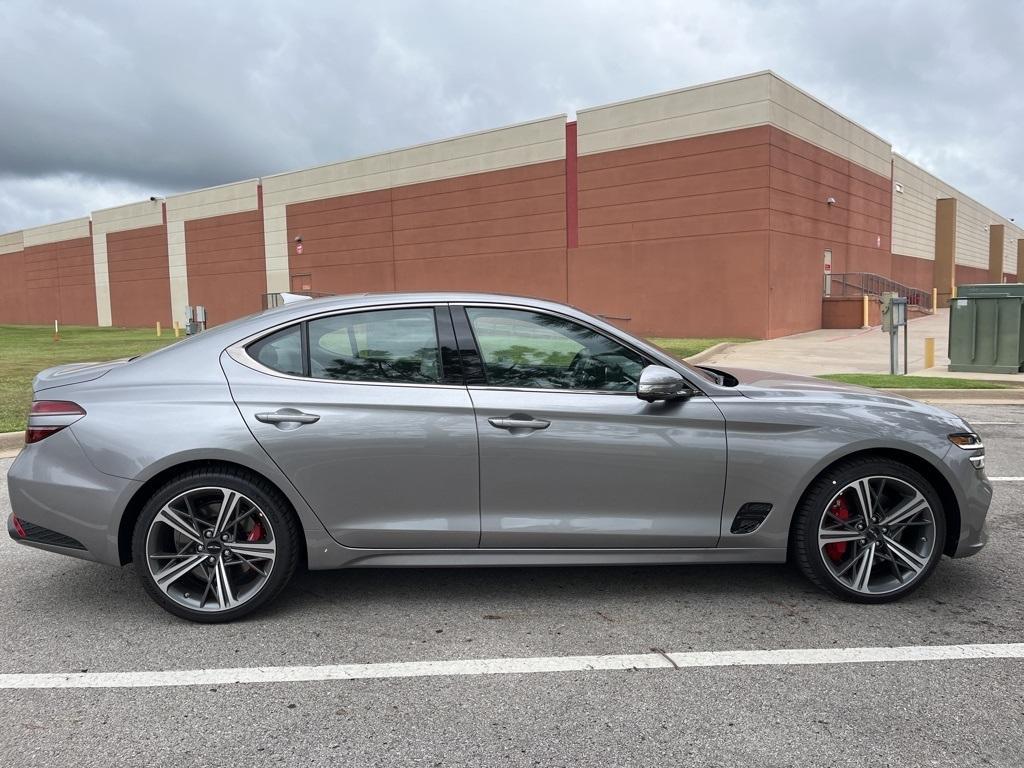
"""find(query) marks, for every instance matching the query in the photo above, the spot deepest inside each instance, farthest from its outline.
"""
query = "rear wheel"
(215, 545)
(869, 530)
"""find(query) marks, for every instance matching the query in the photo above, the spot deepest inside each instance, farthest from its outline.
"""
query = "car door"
(367, 414)
(569, 456)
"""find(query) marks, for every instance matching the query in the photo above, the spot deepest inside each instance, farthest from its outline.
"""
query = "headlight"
(969, 441)
(966, 440)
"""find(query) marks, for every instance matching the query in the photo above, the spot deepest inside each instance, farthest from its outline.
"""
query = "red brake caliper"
(837, 549)
(257, 533)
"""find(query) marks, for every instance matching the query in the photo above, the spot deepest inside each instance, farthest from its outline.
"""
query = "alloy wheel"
(877, 535)
(210, 549)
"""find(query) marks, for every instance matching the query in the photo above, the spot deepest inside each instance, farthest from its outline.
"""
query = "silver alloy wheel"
(877, 535)
(210, 549)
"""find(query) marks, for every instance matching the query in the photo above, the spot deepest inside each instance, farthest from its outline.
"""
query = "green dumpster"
(986, 328)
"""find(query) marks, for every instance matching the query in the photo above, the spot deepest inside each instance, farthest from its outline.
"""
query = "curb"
(11, 444)
(962, 396)
(710, 352)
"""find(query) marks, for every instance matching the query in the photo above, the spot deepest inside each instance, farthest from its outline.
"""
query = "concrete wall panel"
(914, 195)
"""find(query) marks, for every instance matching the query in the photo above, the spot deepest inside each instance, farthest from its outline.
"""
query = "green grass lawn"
(885, 381)
(26, 350)
(690, 347)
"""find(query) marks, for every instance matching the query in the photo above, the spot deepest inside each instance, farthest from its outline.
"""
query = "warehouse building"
(709, 211)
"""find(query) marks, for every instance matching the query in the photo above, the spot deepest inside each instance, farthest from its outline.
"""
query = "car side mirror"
(660, 383)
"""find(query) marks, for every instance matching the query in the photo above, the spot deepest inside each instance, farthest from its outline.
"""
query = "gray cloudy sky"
(105, 102)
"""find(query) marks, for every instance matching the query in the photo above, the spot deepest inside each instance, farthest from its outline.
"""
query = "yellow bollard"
(954, 292)
(158, 328)
(929, 352)
(866, 313)
(56, 331)
(935, 299)
(177, 330)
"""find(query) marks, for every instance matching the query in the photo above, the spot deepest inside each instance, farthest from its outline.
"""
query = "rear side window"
(391, 345)
(281, 351)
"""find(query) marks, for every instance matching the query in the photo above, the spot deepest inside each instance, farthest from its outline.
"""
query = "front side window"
(539, 351)
(389, 345)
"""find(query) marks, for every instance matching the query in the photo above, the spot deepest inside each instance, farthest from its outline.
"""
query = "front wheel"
(869, 530)
(213, 545)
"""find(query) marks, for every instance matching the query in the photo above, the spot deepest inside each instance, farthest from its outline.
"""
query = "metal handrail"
(870, 284)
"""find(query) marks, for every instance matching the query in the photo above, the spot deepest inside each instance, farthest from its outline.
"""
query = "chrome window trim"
(238, 353)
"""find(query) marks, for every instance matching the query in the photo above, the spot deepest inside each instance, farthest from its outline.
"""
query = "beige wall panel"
(11, 242)
(913, 220)
(54, 233)
(758, 99)
(535, 142)
(726, 105)
(801, 114)
(215, 201)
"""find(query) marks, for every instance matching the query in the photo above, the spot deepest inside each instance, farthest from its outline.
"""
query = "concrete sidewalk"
(850, 351)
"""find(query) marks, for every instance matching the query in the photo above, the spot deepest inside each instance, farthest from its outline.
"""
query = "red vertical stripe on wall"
(572, 220)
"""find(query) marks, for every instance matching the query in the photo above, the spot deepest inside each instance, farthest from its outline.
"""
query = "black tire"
(810, 559)
(275, 510)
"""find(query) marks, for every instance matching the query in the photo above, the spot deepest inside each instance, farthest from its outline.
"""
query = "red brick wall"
(13, 288)
(856, 229)
(227, 268)
(971, 275)
(498, 231)
(60, 283)
(673, 237)
(140, 291)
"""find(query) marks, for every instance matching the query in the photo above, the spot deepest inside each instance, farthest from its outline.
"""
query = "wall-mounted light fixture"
(831, 201)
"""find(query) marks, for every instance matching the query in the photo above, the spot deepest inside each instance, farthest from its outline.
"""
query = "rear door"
(367, 414)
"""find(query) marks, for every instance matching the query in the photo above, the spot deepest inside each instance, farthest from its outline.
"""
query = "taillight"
(47, 417)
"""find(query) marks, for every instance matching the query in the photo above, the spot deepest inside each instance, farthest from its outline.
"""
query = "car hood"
(757, 384)
(74, 373)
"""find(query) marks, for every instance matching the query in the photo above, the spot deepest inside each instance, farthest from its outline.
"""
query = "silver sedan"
(477, 430)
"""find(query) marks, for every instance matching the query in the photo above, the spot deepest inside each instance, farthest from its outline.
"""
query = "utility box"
(986, 328)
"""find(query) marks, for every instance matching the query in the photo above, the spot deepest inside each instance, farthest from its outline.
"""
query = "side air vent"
(750, 517)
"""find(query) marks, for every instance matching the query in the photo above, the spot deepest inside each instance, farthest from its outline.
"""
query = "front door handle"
(288, 416)
(513, 422)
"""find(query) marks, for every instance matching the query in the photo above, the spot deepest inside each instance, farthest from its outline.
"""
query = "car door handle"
(288, 416)
(516, 423)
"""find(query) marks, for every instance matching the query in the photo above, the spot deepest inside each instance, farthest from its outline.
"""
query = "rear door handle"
(510, 422)
(288, 416)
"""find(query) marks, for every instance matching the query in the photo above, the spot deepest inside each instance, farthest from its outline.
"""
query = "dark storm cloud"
(107, 102)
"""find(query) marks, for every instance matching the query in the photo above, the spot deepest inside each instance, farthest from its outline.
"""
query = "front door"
(570, 458)
(364, 414)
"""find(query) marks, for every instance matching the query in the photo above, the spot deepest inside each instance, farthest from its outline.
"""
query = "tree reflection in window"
(398, 345)
(541, 351)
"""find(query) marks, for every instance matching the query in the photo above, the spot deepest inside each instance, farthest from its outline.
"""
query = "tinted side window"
(535, 350)
(395, 345)
(281, 351)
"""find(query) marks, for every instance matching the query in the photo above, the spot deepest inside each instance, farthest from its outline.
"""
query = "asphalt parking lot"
(59, 615)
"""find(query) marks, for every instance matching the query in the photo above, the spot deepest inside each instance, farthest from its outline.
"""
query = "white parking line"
(1006, 479)
(459, 667)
